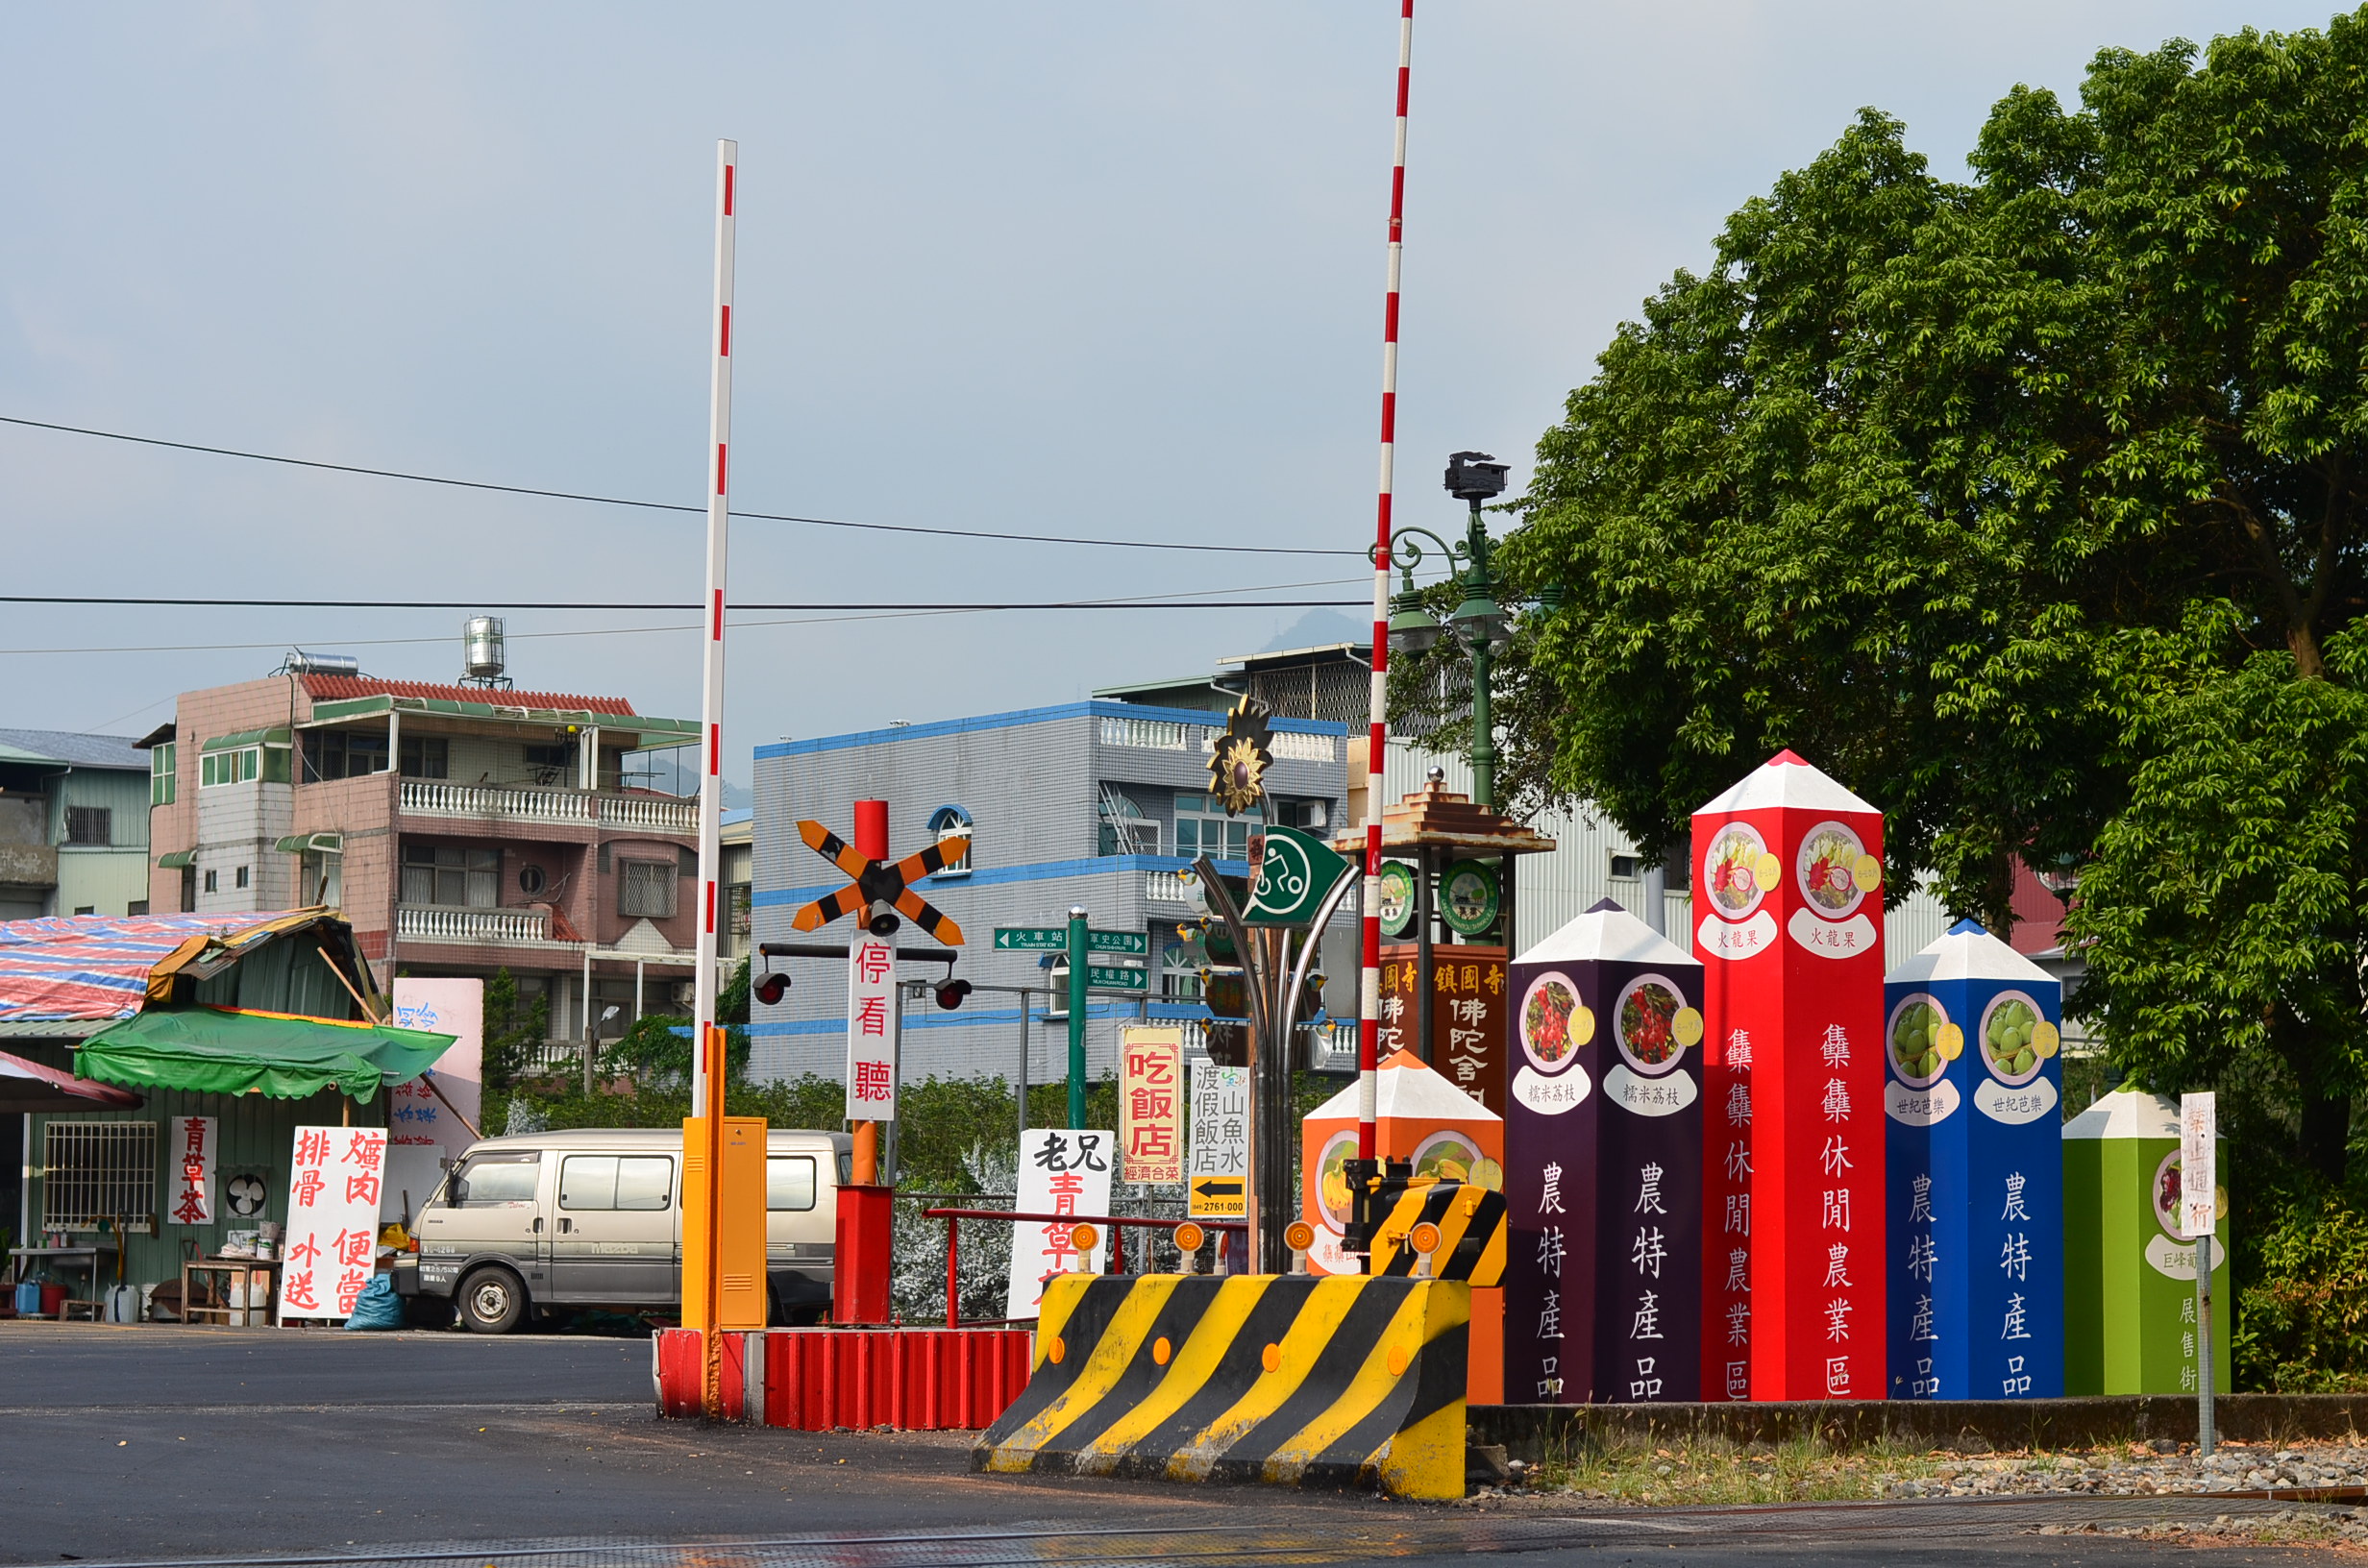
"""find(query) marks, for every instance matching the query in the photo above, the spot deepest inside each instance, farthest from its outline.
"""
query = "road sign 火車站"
(1054, 939)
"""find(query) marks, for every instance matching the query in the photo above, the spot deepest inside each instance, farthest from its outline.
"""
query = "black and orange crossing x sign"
(876, 884)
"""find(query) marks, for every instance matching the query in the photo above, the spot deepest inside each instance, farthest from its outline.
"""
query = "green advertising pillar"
(2130, 1318)
(1076, 1016)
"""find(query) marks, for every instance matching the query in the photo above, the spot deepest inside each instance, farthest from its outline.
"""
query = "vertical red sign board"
(1787, 910)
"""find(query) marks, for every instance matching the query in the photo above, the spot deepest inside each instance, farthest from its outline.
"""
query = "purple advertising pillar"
(1603, 1167)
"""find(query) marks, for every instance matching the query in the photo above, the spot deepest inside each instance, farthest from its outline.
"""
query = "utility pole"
(1076, 1014)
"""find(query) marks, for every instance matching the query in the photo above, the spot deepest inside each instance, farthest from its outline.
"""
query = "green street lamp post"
(1479, 622)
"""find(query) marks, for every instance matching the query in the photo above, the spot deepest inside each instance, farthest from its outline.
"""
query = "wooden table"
(229, 1268)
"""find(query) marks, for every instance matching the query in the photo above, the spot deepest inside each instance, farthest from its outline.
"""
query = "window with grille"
(89, 825)
(451, 874)
(646, 888)
(99, 1170)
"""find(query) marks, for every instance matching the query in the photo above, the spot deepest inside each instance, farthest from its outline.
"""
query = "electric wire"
(734, 622)
(667, 505)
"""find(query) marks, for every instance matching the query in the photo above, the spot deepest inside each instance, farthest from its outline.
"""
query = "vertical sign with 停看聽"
(1217, 1155)
(1150, 1104)
(871, 1029)
(332, 1209)
(426, 1126)
(195, 1140)
(1788, 907)
(1062, 1171)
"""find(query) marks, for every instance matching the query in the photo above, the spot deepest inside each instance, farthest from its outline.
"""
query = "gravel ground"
(2135, 1470)
(1714, 1472)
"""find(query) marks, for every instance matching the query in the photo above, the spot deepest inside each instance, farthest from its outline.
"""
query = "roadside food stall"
(182, 1052)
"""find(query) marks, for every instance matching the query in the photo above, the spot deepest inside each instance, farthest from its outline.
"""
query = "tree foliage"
(2030, 507)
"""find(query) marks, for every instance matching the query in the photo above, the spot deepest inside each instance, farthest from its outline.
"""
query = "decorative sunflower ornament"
(1238, 767)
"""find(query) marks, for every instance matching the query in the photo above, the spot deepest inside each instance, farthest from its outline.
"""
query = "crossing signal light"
(773, 988)
(951, 993)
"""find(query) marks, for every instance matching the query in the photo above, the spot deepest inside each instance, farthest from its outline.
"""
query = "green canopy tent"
(214, 1050)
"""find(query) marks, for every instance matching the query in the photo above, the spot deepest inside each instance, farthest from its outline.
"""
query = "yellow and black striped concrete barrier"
(1345, 1382)
(1470, 1225)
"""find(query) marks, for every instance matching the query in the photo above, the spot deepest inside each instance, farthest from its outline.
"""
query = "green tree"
(2030, 507)
(513, 1034)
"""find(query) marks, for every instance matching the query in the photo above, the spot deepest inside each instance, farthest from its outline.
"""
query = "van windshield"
(487, 1179)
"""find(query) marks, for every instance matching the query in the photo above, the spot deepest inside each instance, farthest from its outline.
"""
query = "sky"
(1109, 271)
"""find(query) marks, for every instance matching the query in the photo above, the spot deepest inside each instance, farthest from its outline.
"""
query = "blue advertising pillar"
(1975, 1171)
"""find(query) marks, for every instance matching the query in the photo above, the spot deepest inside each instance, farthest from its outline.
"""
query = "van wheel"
(492, 1301)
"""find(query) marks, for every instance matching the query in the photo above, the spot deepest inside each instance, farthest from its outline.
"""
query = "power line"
(736, 624)
(581, 604)
(668, 505)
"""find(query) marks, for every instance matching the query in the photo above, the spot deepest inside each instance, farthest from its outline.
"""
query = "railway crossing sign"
(877, 885)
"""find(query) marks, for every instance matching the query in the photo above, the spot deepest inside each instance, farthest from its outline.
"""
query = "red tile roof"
(346, 688)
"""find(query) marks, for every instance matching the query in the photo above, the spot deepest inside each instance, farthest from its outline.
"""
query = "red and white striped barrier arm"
(1377, 743)
(712, 679)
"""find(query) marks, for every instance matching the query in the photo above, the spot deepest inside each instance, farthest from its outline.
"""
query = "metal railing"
(436, 922)
(1221, 1229)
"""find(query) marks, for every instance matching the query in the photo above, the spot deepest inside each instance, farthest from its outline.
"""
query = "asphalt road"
(166, 1445)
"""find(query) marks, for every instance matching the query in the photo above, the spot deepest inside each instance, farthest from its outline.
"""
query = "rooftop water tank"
(483, 656)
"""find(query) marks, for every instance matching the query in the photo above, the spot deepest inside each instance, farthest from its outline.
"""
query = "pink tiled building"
(460, 829)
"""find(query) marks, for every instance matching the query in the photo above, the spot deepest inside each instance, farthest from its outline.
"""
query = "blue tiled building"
(1100, 803)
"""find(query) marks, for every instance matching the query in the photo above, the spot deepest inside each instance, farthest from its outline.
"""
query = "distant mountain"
(1318, 628)
(676, 772)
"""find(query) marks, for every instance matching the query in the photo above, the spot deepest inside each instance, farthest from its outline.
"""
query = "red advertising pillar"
(1787, 910)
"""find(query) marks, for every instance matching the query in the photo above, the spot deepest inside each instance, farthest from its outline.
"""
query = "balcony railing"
(1296, 745)
(1164, 887)
(434, 922)
(644, 811)
(431, 798)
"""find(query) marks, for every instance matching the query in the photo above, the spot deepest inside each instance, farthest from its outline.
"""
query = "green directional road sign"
(1053, 939)
(1115, 977)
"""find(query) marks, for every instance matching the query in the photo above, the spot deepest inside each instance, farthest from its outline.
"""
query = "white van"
(593, 1218)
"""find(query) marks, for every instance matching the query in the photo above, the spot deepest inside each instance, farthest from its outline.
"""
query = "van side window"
(489, 1179)
(608, 1181)
(789, 1182)
(645, 1180)
(846, 1167)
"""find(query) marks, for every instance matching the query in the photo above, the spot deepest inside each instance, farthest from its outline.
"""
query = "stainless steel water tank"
(483, 656)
